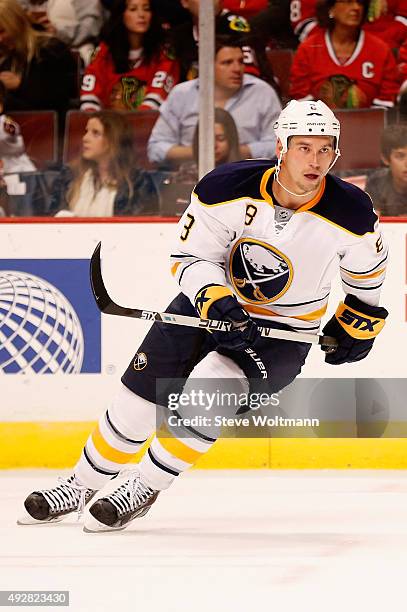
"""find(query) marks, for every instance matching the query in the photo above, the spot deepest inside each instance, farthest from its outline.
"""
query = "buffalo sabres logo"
(259, 272)
(140, 361)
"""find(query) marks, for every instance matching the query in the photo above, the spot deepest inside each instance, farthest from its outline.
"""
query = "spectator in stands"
(226, 146)
(105, 181)
(171, 12)
(132, 69)
(388, 186)
(12, 149)
(386, 19)
(37, 70)
(76, 22)
(253, 104)
(185, 40)
(343, 65)
(176, 187)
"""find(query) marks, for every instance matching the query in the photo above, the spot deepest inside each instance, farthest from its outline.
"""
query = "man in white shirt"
(253, 104)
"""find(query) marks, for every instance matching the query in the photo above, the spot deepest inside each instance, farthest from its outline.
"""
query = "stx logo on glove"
(358, 325)
(351, 318)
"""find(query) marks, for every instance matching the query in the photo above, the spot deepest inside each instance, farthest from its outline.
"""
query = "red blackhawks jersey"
(303, 17)
(387, 19)
(368, 78)
(145, 86)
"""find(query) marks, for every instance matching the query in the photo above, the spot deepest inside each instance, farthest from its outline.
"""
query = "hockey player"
(259, 243)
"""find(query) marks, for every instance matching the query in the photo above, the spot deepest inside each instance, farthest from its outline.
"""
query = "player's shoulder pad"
(347, 206)
(233, 181)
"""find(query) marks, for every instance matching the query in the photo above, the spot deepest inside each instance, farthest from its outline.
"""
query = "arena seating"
(361, 130)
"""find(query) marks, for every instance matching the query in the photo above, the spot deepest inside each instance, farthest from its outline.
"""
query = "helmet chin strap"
(297, 195)
(277, 179)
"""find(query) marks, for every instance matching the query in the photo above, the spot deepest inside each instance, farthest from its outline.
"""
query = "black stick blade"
(102, 298)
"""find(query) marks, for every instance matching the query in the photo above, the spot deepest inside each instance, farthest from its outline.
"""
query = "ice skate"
(52, 505)
(131, 500)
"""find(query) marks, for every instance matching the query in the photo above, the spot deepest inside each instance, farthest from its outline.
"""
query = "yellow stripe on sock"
(179, 450)
(107, 451)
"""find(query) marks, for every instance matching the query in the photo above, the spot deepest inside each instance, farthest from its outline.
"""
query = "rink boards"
(48, 406)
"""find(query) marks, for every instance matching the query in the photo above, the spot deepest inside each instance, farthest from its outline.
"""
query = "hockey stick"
(108, 306)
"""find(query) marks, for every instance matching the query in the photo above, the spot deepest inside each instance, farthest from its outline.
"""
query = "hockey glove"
(355, 326)
(217, 302)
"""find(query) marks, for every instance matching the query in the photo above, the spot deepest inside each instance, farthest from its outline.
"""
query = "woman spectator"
(76, 22)
(104, 181)
(37, 69)
(341, 64)
(226, 145)
(175, 189)
(132, 69)
(386, 19)
(226, 139)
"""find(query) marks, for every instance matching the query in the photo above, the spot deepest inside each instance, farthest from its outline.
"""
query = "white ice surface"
(224, 542)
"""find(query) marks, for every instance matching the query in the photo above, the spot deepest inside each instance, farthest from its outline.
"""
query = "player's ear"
(385, 160)
(279, 147)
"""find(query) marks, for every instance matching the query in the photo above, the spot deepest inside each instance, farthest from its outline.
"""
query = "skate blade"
(92, 525)
(27, 519)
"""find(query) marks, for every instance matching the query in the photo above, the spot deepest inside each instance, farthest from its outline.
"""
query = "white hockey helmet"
(307, 118)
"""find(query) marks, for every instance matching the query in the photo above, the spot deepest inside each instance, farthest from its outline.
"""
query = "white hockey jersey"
(228, 236)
